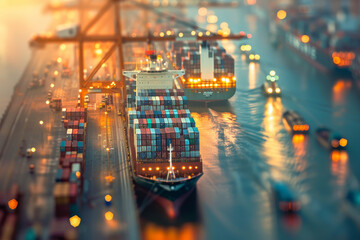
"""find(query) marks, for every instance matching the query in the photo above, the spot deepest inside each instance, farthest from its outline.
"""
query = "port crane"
(82, 36)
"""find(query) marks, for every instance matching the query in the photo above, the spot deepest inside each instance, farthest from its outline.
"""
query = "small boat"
(330, 140)
(294, 123)
(270, 86)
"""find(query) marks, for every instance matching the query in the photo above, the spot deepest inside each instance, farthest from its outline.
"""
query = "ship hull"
(171, 190)
(209, 95)
(313, 54)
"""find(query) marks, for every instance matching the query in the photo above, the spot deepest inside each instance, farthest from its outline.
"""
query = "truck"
(67, 31)
(56, 104)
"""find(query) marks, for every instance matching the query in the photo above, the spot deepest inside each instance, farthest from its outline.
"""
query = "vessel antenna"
(171, 173)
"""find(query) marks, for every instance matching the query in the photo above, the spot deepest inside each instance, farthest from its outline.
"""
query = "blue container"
(62, 146)
(58, 175)
(73, 178)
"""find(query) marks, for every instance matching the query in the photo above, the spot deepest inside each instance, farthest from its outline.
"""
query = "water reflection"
(157, 222)
(273, 148)
(253, 73)
(339, 91)
(339, 166)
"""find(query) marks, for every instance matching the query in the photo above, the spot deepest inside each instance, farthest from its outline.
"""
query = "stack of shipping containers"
(187, 56)
(166, 120)
(70, 170)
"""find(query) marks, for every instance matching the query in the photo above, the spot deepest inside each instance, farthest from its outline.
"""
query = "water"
(246, 148)
(19, 19)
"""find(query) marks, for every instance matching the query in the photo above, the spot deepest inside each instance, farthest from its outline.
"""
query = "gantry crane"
(117, 41)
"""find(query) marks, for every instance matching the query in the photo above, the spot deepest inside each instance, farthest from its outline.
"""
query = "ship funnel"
(206, 61)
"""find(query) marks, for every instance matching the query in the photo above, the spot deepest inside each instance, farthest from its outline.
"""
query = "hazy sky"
(19, 19)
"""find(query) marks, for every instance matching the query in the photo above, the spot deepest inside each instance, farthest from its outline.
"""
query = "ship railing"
(191, 160)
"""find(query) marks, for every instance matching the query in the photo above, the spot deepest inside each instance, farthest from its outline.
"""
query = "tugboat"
(330, 139)
(294, 123)
(270, 86)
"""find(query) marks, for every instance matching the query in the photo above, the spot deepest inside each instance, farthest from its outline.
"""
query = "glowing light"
(75, 221)
(52, 85)
(224, 25)
(150, 169)
(251, 56)
(107, 149)
(168, 32)
(277, 90)
(196, 167)
(257, 57)
(181, 34)
(162, 34)
(41, 122)
(98, 51)
(281, 14)
(62, 47)
(269, 90)
(157, 168)
(212, 19)
(193, 33)
(143, 169)
(47, 102)
(343, 142)
(190, 167)
(305, 38)
(13, 203)
(202, 11)
(97, 45)
(272, 73)
(78, 174)
(207, 33)
(109, 216)
(337, 60)
(33, 149)
(56, 73)
(59, 60)
(200, 34)
(108, 198)
(249, 35)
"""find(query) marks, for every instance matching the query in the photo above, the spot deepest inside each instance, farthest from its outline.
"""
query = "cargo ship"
(163, 138)
(319, 36)
(209, 70)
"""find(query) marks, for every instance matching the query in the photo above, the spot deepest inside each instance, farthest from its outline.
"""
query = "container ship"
(319, 36)
(163, 137)
(209, 70)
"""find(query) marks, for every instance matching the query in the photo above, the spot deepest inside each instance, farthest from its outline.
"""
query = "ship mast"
(171, 173)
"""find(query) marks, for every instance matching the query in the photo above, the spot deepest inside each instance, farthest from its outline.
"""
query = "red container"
(66, 163)
(65, 175)
(68, 146)
(73, 192)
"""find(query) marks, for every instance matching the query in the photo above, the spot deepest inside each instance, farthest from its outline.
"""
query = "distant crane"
(82, 36)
